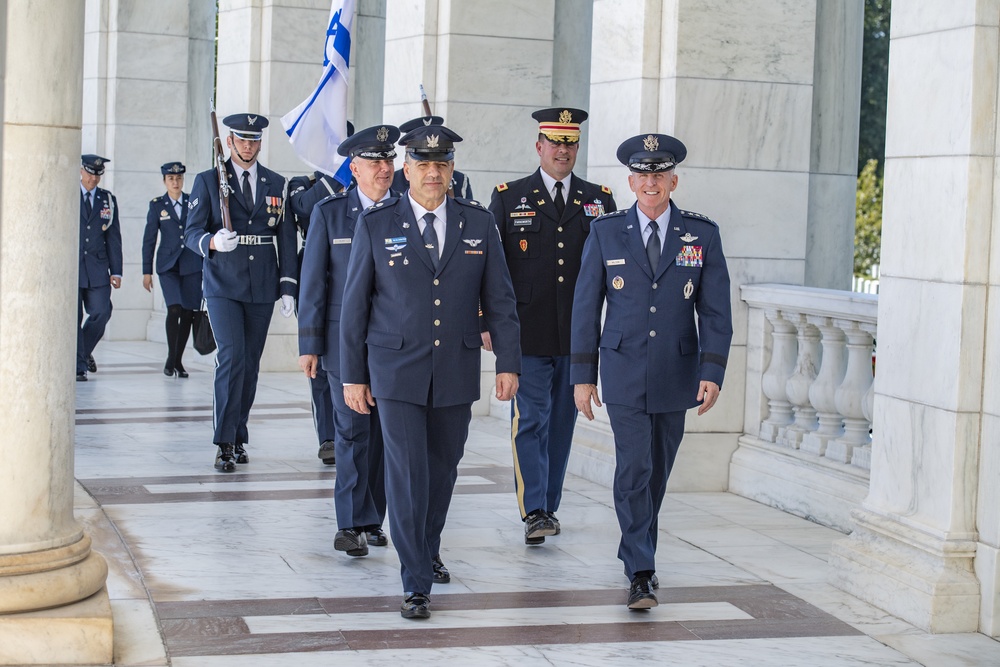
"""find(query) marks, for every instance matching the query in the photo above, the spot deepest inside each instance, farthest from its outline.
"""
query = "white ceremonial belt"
(253, 239)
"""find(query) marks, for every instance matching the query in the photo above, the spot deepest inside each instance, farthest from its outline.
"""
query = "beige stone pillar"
(45, 557)
(930, 523)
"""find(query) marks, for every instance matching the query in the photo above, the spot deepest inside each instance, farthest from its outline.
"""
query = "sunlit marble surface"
(176, 533)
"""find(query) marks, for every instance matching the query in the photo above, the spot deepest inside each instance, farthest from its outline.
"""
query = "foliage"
(868, 220)
(874, 83)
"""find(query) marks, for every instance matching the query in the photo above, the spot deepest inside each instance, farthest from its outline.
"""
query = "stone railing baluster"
(797, 388)
(773, 381)
(822, 393)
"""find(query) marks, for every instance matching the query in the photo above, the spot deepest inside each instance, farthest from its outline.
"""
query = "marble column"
(147, 81)
(46, 559)
(571, 46)
(485, 69)
(930, 525)
(368, 63)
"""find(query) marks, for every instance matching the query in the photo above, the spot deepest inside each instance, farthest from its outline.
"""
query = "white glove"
(287, 305)
(225, 241)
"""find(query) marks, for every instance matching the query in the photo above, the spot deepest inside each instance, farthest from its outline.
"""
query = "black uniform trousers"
(97, 302)
(240, 332)
(359, 491)
(423, 446)
(645, 448)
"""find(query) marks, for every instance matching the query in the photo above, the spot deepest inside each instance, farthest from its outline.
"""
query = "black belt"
(253, 239)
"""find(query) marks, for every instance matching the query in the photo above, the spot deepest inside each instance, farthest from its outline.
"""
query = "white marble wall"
(934, 466)
(46, 560)
(484, 69)
(147, 77)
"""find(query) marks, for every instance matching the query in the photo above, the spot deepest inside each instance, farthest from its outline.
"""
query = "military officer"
(459, 186)
(178, 268)
(544, 220)
(245, 271)
(359, 493)
(100, 261)
(410, 339)
(304, 192)
(662, 275)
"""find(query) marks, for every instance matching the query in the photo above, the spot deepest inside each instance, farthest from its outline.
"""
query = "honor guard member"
(359, 493)
(100, 261)
(662, 276)
(178, 268)
(459, 186)
(410, 340)
(304, 192)
(544, 220)
(246, 270)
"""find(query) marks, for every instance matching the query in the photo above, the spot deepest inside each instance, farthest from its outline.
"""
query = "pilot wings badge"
(472, 242)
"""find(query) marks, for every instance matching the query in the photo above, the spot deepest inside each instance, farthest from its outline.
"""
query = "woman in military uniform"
(179, 269)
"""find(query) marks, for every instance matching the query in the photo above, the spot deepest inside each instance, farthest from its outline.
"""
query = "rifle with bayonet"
(220, 172)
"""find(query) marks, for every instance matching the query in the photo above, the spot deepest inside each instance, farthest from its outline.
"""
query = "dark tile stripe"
(102, 421)
(770, 629)
(188, 408)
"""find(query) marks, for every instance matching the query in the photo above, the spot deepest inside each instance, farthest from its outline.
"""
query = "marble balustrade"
(806, 446)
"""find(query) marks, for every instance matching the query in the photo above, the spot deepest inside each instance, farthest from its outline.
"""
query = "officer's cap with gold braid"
(371, 143)
(93, 164)
(433, 142)
(651, 153)
(560, 125)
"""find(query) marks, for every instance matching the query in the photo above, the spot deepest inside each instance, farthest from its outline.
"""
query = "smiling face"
(652, 191)
(429, 180)
(557, 158)
(373, 176)
(88, 179)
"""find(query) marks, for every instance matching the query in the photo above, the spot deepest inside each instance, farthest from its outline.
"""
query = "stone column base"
(909, 573)
(76, 634)
(50, 578)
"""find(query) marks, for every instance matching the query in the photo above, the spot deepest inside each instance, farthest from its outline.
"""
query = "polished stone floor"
(212, 570)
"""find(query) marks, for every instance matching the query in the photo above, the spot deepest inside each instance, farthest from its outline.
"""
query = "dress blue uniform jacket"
(543, 273)
(100, 241)
(324, 276)
(421, 327)
(162, 220)
(250, 273)
(652, 354)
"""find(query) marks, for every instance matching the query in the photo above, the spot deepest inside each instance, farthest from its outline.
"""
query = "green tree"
(868, 220)
(874, 83)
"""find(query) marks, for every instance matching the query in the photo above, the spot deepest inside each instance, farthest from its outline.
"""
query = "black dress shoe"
(352, 541)
(328, 452)
(654, 581)
(81, 376)
(169, 371)
(441, 573)
(181, 373)
(241, 453)
(555, 522)
(640, 593)
(415, 605)
(377, 537)
(91, 364)
(225, 459)
(536, 526)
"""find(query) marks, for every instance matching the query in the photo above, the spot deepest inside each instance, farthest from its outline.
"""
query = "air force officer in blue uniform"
(245, 272)
(100, 261)
(410, 339)
(178, 268)
(459, 186)
(664, 343)
(359, 492)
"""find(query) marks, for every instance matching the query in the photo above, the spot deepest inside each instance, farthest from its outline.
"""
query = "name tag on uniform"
(341, 241)
(615, 262)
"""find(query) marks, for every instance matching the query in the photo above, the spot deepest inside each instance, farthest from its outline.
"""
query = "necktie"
(653, 246)
(88, 207)
(247, 192)
(177, 209)
(560, 201)
(430, 239)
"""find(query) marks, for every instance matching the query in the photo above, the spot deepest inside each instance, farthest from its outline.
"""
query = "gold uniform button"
(560, 244)
(561, 279)
(559, 229)
(437, 282)
(437, 323)
(561, 262)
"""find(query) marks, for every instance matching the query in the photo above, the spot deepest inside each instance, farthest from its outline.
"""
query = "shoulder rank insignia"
(692, 214)
(154, 200)
(605, 189)
(502, 187)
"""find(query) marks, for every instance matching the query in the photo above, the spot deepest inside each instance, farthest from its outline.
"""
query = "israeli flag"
(316, 127)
